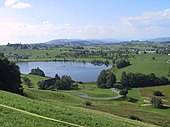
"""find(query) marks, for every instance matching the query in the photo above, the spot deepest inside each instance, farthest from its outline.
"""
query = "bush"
(156, 102)
(123, 93)
(87, 103)
(134, 117)
(157, 93)
(75, 86)
(26, 81)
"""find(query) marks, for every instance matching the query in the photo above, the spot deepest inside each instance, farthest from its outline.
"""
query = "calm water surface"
(78, 71)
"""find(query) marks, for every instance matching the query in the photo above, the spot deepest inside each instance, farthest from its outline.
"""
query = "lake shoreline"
(78, 71)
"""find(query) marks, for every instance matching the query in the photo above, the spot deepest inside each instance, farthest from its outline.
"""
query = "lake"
(78, 71)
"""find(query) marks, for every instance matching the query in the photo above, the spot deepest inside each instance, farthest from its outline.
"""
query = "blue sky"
(29, 21)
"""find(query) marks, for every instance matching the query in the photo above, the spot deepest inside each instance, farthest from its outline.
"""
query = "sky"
(32, 21)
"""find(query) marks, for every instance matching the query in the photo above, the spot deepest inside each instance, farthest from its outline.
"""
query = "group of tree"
(37, 71)
(9, 76)
(57, 83)
(142, 80)
(106, 79)
(122, 63)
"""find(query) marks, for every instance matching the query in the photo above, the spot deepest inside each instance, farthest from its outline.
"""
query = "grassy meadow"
(67, 105)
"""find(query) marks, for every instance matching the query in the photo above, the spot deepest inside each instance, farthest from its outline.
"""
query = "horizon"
(29, 21)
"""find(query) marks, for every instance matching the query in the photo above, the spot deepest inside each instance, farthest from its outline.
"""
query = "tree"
(122, 63)
(37, 71)
(106, 79)
(9, 76)
(142, 80)
(106, 63)
(124, 78)
(156, 102)
(123, 93)
(42, 85)
(27, 81)
(111, 79)
(101, 80)
(65, 83)
(57, 77)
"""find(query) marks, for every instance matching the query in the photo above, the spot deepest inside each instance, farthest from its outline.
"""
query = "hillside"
(77, 115)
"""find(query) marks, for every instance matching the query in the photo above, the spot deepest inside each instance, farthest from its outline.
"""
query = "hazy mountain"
(161, 39)
(82, 41)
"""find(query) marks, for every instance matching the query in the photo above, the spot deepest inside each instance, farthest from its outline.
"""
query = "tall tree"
(9, 76)
(106, 79)
(123, 78)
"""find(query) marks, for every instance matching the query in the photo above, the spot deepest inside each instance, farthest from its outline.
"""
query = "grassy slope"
(10, 118)
(148, 92)
(76, 115)
(34, 78)
(122, 108)
(143, 63)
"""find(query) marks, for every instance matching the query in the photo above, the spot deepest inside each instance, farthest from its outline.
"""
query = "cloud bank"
(145, 25)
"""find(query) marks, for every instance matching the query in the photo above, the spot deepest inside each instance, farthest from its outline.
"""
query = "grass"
(144, 64)
(124, 107)
(10, 118)
(34, 78)
(67, 105)
(135, 96)
(148, 92)
(91, 89)
(71, 114)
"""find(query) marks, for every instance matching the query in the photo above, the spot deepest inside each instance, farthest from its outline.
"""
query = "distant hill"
(161, 39)
(81, 41)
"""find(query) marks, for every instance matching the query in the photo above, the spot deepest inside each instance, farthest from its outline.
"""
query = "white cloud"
(10, 2)
(146, 25)
(16, 4)
(149, 24)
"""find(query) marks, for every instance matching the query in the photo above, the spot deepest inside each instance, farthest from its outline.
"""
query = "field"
(131, 105)
(60, 111)
(144, 63)
(68, 105)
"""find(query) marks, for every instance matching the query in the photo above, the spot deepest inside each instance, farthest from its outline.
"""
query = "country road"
(97, 98)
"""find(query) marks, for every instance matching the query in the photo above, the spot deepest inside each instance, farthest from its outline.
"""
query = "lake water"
(78, 71)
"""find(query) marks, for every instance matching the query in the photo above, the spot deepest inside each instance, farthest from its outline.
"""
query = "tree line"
(142, 80)
(57, 83)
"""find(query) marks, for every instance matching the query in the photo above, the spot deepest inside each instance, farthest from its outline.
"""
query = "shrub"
(134, 117)
(27, 81)
(157, 93)
(87, 103)
(156, 102)
(123, 93)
